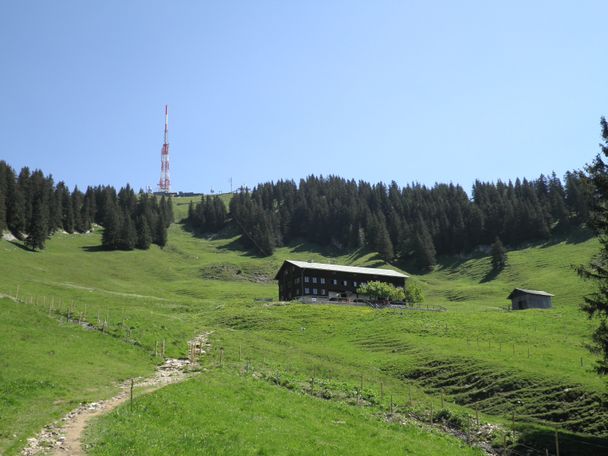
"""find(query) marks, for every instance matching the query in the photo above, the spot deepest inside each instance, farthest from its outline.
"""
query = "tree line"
(33, 207)
(400, 222)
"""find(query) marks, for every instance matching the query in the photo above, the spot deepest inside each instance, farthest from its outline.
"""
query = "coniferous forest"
(414, 221)
(33, 207)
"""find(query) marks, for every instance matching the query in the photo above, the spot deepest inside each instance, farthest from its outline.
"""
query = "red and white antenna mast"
(164, 185)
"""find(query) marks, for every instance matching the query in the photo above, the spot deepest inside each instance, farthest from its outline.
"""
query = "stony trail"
(64, 437)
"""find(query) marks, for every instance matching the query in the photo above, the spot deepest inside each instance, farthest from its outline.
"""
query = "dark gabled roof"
(520, 291)
(340, 268)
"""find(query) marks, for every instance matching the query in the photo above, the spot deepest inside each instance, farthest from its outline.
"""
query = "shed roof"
(340, 268)
(520, 291)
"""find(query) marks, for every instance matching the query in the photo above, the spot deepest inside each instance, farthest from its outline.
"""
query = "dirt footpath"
(64, 437)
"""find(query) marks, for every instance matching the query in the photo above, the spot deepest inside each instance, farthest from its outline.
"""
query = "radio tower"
(164, 185)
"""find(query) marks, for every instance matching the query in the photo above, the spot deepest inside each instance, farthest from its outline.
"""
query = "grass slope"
(221, 413)
(48, 368)
(209, 283)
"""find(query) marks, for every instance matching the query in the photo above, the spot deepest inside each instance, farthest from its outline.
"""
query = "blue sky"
(428, 91)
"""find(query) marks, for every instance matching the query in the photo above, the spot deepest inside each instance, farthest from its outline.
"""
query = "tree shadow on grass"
(569, 443)
(575, 236)
(490, 275)
(22, 246)
(94, 248)
(227, 232)
(238, 245)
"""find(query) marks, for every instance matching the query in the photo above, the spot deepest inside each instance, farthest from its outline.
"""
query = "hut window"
(314, 291)
(306, 290)
(306, 279)
(314, 280)
(322, 280)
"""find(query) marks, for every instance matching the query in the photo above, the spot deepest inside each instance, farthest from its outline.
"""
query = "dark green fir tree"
(499, 256)
(596, 303)
(144, 234)
(38, 228)
(160, 231)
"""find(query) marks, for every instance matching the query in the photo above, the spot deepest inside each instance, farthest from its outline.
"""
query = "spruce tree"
(596, 303)
(128, 234)
(3, 196)
(160, 231)
(38, 228)
(190, 217)
(144, 235)
(15, 216)
(111, 233)
(23, 184)
(77, 213)
(499, 256)
(169, 211)
(384, 244)
(424, 249)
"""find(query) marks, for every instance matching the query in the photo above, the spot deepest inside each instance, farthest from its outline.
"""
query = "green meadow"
(527, 370)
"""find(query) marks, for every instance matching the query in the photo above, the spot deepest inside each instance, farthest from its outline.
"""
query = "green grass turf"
(48, 368)
(223, 413)
(195, 284)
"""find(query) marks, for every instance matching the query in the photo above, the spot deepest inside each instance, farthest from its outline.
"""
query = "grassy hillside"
(48, 368)
(475, 356)
(220, 413)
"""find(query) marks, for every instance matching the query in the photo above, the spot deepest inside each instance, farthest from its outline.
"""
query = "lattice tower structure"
(164, 185)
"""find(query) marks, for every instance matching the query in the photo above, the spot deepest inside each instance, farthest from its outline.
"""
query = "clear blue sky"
(427, 91)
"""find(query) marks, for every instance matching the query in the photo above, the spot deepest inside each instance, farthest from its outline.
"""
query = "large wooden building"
(529, 299)
(301, 279)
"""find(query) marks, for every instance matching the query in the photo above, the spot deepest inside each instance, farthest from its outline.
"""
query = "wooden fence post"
(131, 399)
(556, 443)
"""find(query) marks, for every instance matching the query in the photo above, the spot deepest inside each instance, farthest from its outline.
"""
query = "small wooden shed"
(529, 299)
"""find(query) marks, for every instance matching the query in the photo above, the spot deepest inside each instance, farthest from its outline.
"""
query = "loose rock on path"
(64, 437)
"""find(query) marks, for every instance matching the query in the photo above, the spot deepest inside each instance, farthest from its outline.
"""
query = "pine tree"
(127, 235)
(596, 303)
(385, 246)
(499, 256)
(110, 238)
(23, 184)
(160, 231)
(169, 211)
(77, 213)
(3, 196)
(37, 230)
(144, 235)
(424, 249)
(89, 208)
(190, 218)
